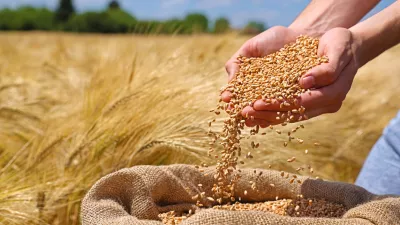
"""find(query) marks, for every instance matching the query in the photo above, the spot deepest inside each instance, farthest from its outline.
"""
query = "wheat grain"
(273, 79)
(298, 207)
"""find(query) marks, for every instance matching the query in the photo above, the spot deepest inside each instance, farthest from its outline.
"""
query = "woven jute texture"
(139, 194)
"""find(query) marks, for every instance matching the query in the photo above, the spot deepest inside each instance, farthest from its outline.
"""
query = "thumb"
(327, 73)
(320, 76)
(232, 66)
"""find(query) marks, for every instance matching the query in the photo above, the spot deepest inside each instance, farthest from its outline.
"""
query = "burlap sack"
(137, 195)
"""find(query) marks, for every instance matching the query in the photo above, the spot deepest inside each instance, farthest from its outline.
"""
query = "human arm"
(378, 33)
(317, 18)
(322, 15)
(347, 50)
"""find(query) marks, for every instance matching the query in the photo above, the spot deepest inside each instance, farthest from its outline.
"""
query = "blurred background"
(151, 17)
(92, 86)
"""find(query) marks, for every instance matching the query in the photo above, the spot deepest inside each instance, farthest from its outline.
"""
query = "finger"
(309, 100)
(226, 96)
(247, 50)
(332, 94)
(232, 66)
(274, 105)
(287, 117)
(263, 44)
(324, 110)
(269, 116)
(254, 122)
(327, 73)
(316, 98)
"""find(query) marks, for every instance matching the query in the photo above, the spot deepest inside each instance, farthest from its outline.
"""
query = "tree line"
(112, 20)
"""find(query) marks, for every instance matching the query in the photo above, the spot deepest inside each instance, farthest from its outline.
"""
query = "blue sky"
(272, 12)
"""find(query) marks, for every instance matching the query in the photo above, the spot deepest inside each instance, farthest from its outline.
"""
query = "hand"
(330, 82)
(261, 45)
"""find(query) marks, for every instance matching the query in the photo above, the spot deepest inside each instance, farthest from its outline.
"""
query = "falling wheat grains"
(273, 79)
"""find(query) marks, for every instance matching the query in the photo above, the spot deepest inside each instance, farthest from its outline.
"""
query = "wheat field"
(74, 108)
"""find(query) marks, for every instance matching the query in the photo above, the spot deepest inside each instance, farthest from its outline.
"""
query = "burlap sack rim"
(176, 172)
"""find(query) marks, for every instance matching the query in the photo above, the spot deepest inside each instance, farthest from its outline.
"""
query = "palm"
(263, 44)
(269, 41)
(329, 82)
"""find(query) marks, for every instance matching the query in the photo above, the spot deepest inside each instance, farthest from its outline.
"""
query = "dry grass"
(74, 108)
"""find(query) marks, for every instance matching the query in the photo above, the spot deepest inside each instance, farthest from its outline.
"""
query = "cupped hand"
(261, 45)
(329, 82)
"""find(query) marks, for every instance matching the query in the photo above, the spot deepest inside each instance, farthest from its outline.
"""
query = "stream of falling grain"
(272, 80)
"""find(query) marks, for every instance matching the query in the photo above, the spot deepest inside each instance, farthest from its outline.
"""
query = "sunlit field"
(76, 107)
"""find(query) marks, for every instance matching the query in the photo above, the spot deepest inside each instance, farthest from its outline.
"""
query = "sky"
(239, 12)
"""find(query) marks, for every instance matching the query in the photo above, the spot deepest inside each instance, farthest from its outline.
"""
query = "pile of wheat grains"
(299, 207)
(273, 79)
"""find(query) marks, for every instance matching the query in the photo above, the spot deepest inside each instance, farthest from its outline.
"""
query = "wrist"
(377, 34)
(303, 28)
(358, 39)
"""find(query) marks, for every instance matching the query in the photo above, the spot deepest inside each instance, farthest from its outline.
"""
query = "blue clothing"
(381, 171)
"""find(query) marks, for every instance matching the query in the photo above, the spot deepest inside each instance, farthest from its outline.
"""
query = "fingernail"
(308, 82)
(226, 96)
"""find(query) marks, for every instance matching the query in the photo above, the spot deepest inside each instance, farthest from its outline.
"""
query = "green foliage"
(65, 10)
(26, 18)
(196, 23)
(113, 5)
(88, 22)
(222, 25)
(111, 21)
(122, 20)
(174, 26)
(254, 27)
